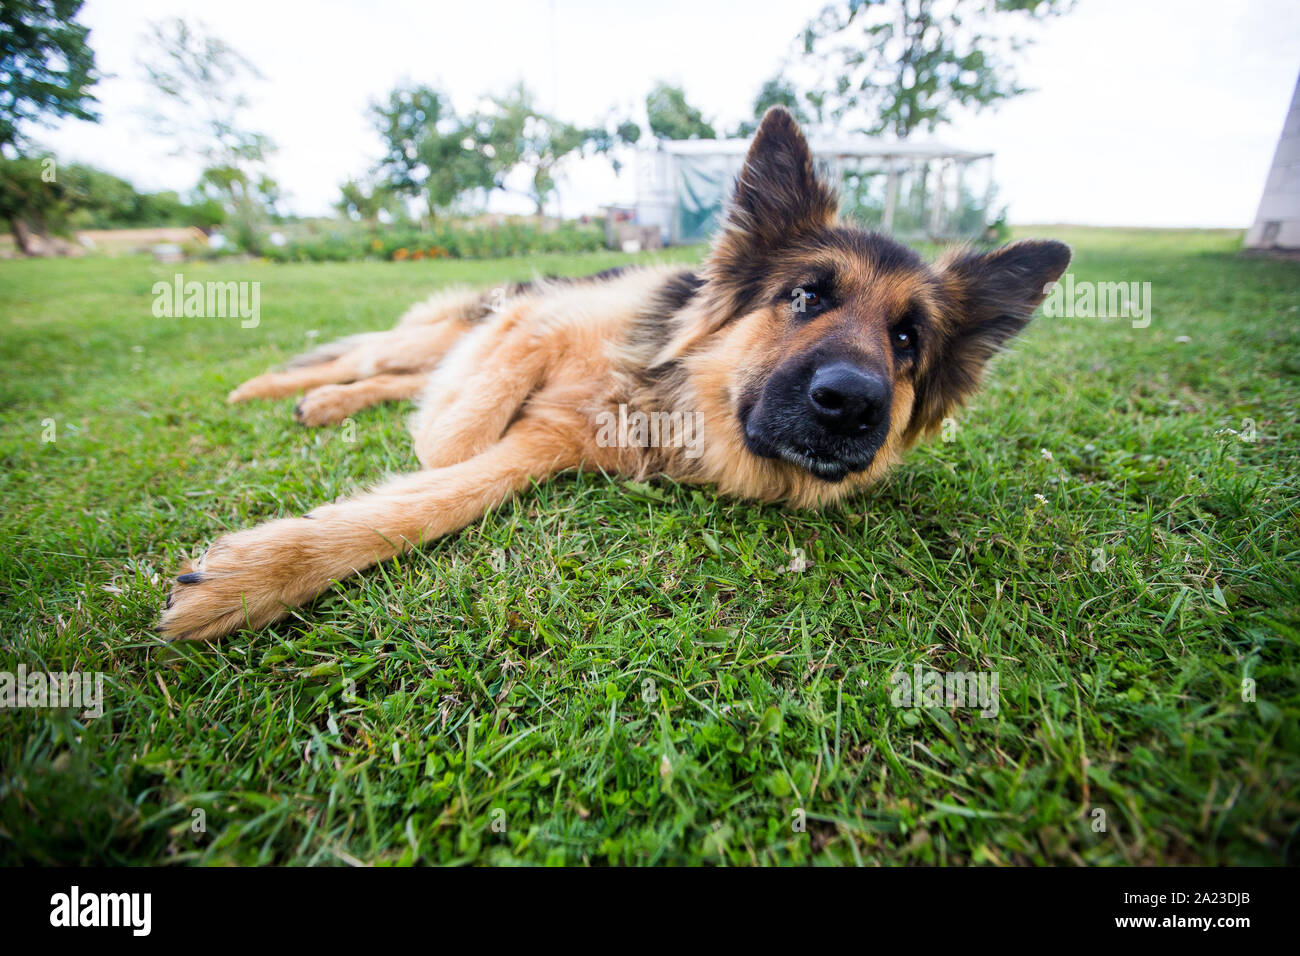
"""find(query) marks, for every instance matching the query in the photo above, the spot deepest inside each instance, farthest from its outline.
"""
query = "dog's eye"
(904, 337)
(807, 300)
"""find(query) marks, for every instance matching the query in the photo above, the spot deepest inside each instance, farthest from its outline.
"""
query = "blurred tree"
(520, 134)
(430, 152)
(251, 198)
(46, 72)
(671, 117)
(166, 208)
(32, 199)
(779, 91)
(897, 66)
(35, 202)
(46, 66)
(604, 139)
(200, 80)
(99, 200)
(365, 201)
(629, 132)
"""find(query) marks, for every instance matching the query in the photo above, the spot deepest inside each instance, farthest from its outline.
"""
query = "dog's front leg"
(253, 577)
(463, 417)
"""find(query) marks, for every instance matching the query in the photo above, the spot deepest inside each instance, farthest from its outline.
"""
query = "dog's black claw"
(168, 605)
(297, 411)
(194, 577)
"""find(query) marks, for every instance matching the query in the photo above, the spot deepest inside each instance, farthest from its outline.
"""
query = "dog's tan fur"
(512, 385)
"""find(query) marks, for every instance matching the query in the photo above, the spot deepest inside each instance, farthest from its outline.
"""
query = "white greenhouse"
(912, 190)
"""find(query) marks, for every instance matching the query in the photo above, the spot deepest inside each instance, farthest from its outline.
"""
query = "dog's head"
(844, 342)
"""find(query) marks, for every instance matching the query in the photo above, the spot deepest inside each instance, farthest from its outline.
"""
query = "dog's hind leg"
(330, 350)
(253, 577)
(401, 351)
(330, 404)
(455, 304)
(447, 305)
(295, 380)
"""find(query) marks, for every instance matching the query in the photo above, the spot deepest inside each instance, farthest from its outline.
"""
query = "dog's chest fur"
(624, 345)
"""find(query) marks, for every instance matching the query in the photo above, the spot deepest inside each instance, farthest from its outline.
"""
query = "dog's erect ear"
(779, 194)
(779, 197)
(986, 299)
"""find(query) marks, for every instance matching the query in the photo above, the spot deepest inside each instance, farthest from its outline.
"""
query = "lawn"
(610, 672)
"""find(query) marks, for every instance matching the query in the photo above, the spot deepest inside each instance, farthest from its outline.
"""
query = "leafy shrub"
(443, 242)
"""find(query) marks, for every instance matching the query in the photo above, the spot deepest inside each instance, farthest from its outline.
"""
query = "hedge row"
(447, 242)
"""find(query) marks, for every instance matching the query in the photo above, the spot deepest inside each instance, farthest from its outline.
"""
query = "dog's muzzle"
(829, 417)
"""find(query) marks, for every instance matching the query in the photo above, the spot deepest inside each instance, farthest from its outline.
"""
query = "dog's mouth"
(825, 461)
(828, 469)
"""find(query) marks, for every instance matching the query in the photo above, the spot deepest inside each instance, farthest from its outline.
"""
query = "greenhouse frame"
(911, 190)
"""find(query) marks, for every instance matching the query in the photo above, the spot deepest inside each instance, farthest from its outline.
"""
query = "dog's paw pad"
(246, 579)
(205, 603)
(326, 405)
(196, 613)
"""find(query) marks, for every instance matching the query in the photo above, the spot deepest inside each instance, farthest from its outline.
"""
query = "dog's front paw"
(239, 582)
(326, 405)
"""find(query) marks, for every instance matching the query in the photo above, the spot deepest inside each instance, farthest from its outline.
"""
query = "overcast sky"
(1146, 112)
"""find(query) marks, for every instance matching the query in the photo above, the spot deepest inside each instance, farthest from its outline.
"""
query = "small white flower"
(1047, 455)
(1041, 499)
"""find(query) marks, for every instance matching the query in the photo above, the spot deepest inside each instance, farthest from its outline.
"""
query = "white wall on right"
(1277, 223)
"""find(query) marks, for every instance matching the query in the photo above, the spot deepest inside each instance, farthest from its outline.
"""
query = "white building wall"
(1277, 224)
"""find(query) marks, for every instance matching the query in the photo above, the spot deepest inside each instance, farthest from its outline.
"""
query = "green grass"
(622, 673)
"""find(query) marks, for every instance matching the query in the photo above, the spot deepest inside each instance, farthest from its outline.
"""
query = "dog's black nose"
(847, 399)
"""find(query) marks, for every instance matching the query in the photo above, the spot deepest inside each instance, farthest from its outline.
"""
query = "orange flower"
(376, 244)
(417, 254)
(400, 254)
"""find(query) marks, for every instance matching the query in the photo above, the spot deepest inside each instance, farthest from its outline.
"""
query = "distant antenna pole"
(555, 63)
(555, 88)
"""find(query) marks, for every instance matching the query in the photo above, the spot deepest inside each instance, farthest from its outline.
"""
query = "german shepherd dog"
(809, 355)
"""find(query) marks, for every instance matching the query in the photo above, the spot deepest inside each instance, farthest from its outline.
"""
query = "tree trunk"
(22, 238)
(539, 193)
